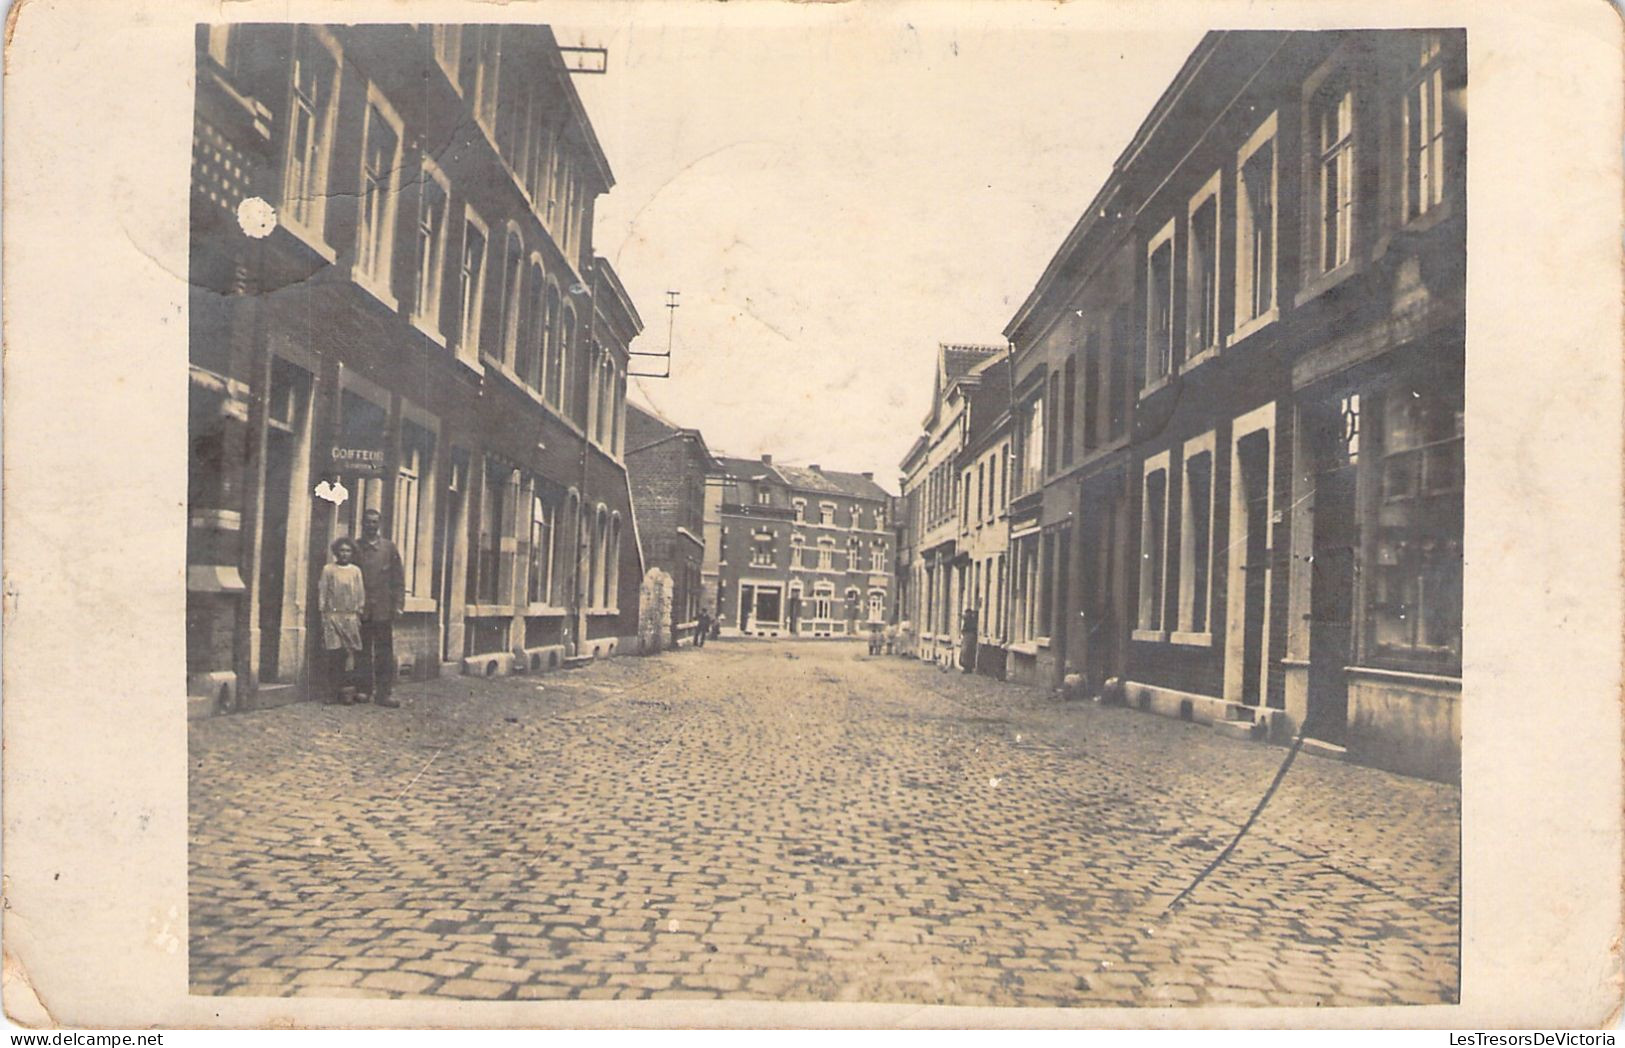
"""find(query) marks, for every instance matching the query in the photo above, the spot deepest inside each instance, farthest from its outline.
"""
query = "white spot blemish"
(671, 925)
(994, 781)
(256, 217)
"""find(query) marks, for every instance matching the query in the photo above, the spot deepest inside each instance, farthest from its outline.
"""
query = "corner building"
(1240, 416)
(805, 551)
(396, 306)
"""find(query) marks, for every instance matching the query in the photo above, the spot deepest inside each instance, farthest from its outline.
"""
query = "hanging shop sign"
(350, 457)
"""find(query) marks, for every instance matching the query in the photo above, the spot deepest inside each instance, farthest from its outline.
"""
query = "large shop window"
(1153, 533)
(310, 131)
(1415, 610)
(414, 506)
(362, 424)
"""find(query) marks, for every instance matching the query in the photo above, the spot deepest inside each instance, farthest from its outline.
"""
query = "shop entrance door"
(1331, 593)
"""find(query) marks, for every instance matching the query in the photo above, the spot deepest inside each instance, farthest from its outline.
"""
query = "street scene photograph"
(937, 514)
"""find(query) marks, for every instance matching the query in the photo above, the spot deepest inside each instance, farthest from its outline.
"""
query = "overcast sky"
(833, 200)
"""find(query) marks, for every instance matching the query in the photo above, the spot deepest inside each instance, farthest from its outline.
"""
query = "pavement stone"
(799, 821)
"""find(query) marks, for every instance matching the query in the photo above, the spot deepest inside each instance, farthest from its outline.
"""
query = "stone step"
(575, 662)
(1322, 748)
(1238, 729)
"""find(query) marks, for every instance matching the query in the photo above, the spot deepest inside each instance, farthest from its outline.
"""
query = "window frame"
(311, 226)
(1184, 612)
(1248, 318)
(430, 273)
(1160, 363)
(1337, 88)
(471, 306)
(1151, 617)
(1429, 71)
(1196, 352)
(372, 267)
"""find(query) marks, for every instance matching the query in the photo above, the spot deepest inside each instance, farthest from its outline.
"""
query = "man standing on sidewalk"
(385, 580)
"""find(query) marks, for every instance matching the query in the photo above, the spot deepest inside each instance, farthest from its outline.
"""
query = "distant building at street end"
(668, 466)
(804, 551)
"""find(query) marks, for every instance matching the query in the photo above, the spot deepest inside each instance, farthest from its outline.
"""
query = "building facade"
(932, 481)
(396, 306)
(1239, 403)
(669, 467)
(981, 564)
(805, 551)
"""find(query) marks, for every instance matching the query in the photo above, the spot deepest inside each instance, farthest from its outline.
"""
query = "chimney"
(814, 468)
(767, 460)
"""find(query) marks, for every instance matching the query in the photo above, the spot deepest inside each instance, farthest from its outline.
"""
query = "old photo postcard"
(786, 514)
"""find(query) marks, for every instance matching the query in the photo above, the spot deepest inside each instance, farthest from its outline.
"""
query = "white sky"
(833, 200)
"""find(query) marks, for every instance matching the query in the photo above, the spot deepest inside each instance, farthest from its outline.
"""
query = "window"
(764, 497)
(380, 167)
(1416, 585)
(1159, 324)
(1069, 396)
(310, 127)
(1052, 457)
(1255, 226)
(826, 554)
(823, 599)
(513, 273)
(877, 560)
(553, 352)
(538, 587)
(1424, 131)
(1153, 532)
(1202, 276)
(527, 351)
(880, 518)
(567, 376)
(877, 603)
(1196, 535)
(495, 523)
(471, 287)
(414, 514)
(826, 513)
(800, 507)
(485, 89)
(1093, 422)
(1334, 129)
(448, 49)
(761, 553)
(431, 244)
(857, 517)
(796, 550)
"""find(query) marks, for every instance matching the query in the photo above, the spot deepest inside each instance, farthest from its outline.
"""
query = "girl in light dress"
(341, 596)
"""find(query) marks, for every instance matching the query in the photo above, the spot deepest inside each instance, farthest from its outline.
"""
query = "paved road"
(797, 821)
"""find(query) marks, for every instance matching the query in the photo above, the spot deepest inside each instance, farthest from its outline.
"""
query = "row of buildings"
(396, 305)
(1217, 470)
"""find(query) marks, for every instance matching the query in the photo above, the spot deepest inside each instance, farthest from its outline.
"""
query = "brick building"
(805, 551)
(1238, 420)
(396, 305)
(668, 466)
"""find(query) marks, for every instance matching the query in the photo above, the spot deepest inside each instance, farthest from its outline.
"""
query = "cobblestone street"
(798, 821)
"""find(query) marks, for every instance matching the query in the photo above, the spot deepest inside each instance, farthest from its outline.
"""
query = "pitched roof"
(990, 400)
(958, 358)
(805, 478)
(646, 427)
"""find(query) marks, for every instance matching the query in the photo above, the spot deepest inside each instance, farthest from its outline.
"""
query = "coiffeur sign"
(356, 461)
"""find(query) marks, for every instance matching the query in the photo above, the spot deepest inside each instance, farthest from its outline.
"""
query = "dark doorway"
(1335, 442)
(1253, 458)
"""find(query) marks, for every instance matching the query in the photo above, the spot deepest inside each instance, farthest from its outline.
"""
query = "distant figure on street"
(340, 596)
(967, 641)
(704, 629)
(385, 579)
(874, 639)
(889, 638)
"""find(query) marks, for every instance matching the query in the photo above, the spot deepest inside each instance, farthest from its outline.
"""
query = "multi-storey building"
(396, 306)
(1239, 402)
(932, 480)
(982, 570)
(669, 465)
(805, 551)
